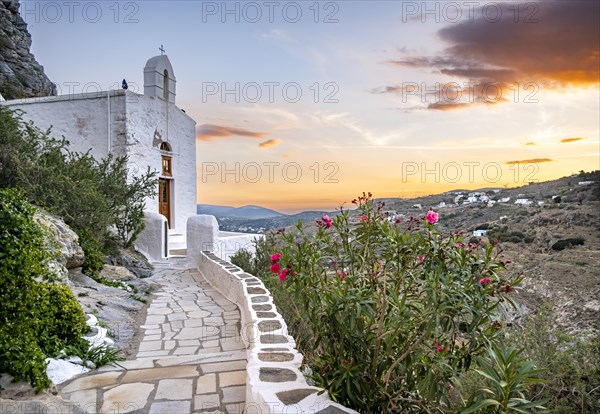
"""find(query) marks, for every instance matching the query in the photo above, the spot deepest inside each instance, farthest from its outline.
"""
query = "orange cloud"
(566, 140)
(554, 45)
(270, 143)
(207, 132)
(530, 161)
(530, 144)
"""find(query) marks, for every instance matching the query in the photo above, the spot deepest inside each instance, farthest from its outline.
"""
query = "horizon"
(302, 106)
(348, 205)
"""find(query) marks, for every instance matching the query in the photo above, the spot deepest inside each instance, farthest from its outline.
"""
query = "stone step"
(170, 261)
(177, 242)
(178, 252)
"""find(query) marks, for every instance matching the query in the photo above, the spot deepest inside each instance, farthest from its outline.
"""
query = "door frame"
(169, 203)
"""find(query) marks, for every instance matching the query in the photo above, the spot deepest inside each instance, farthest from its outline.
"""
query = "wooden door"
(164, 199)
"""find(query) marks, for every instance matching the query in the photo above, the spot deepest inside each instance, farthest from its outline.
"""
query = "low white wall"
(228, 243)
(153, 241)
(203, 234)
(274, 383)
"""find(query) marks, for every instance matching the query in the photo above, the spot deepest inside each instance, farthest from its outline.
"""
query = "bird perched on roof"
(124, 84)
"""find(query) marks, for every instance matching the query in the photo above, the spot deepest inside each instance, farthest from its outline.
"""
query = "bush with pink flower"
(387, 314)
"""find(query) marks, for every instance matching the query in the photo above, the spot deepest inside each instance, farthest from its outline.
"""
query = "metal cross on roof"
(162, 50)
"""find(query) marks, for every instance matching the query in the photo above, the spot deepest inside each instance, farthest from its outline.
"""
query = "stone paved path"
(191, 358)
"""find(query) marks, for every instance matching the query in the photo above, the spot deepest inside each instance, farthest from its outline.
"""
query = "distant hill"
(256, 219)
(245, 212)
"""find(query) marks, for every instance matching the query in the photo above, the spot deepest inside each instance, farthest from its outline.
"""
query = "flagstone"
(150, 346)
(174, 389)
(234, 394)
(207, 402)
(86, 400)
(92, 381)
(154, 374)
(206, 384)
(223, 366)
(127, 398)
(159, 311)
(171, 407)
(232, 378)
(185, 350)
(190, 333)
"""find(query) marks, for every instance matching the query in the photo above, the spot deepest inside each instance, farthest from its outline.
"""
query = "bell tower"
(159, 79)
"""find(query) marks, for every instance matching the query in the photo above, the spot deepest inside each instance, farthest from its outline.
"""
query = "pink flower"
(363, 218)
(439, 348)
(341, 275)
(283, 275)
(275, 268)
(484, 281)
(420, 259)
(432, 217)
(276, 257)
(459, 245)
(327, 220)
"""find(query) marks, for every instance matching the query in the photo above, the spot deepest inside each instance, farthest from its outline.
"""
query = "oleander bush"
(36, 319)
(388, 314)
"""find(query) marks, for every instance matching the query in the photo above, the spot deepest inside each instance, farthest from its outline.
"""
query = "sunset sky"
(303, 105)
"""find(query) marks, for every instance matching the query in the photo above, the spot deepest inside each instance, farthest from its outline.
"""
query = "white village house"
(153, 132)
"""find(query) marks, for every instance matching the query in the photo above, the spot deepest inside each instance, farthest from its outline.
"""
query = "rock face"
(67, 241)
(21, 76)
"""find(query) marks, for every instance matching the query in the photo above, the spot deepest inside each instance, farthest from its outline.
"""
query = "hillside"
(255, 219)
(245, 212)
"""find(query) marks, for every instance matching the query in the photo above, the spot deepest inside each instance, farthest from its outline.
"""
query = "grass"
(99, 355)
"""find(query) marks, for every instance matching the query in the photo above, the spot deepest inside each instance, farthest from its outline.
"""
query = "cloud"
(276, 34)
(554, 44)
(530, 144)
(567, 140)
(530, 161)
(207, 132)
(270, 143)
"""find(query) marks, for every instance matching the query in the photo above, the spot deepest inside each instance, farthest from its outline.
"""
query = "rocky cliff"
(21, 76)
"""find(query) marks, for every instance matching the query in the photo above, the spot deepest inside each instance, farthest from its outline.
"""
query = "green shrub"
(90, 195)
(571, 365)
(62, 320)
(259, 261)
(386, 315)
(36, 319)
(21, 356)
(566, 243)
(93, 261)
(244, 259)
(507, 377)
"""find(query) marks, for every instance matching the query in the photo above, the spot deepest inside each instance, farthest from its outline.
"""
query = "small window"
(166, 166)
(164, 146)
(166, 85)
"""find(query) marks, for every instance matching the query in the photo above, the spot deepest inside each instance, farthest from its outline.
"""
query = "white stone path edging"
(274, 383)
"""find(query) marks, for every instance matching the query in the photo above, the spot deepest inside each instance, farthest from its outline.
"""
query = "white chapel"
(149, 128)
